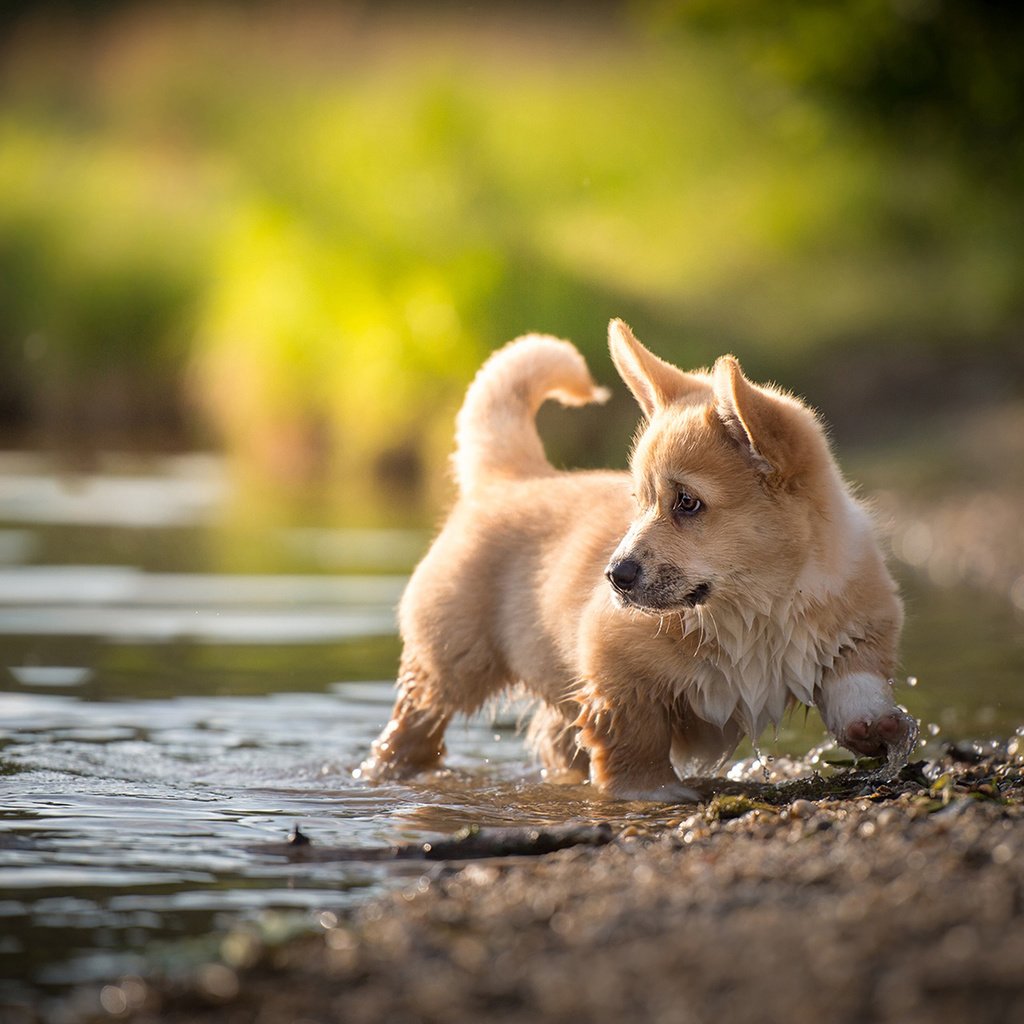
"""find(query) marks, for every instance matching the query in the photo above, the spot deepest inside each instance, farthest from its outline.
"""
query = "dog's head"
(734, 487)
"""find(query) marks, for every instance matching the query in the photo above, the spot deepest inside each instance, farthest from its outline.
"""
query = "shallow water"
(178, 691)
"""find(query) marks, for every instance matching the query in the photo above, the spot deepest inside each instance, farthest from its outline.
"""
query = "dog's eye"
(686, 504)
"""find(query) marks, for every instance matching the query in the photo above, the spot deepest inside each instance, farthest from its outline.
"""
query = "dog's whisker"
(702, 632)
(707, 611)
(714, 623)
(682, 625)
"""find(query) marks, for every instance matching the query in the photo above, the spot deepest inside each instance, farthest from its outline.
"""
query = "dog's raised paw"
(893, 731)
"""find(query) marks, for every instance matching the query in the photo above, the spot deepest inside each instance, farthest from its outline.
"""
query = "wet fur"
(775, 593)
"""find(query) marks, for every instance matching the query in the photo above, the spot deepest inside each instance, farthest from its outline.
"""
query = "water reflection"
(183, 491)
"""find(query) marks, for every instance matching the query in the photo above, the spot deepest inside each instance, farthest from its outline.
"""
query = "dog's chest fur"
(751, 664)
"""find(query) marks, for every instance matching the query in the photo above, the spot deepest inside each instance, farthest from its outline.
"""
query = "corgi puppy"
(658, 615)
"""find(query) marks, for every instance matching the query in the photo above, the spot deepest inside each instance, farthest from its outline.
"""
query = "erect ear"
(774, 429)
(654, 383)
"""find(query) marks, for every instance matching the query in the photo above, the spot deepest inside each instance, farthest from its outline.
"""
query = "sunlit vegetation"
(296, 233)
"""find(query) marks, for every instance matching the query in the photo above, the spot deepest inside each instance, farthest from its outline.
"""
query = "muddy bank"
(851, 900)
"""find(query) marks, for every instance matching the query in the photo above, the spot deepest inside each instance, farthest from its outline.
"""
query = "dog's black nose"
(623, 575)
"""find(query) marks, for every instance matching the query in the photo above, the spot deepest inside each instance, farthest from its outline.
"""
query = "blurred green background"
(291, 231)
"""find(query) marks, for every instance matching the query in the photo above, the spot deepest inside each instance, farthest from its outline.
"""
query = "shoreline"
(857, 901)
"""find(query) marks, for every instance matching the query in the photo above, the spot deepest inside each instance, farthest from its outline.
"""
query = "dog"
(658, 615)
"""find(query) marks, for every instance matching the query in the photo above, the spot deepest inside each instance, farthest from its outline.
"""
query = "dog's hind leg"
(459, 680)
(552, 736)
(413, 740)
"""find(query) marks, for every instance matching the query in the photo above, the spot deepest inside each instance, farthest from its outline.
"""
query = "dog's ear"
(654, 383)
(774, 429)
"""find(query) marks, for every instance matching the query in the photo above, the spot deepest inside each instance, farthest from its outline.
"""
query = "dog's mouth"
(691, 599)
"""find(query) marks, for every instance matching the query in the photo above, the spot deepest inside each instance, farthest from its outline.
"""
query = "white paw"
(894, 730)
(859, 711)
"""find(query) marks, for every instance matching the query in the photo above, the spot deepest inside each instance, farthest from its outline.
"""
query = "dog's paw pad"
(876, 737)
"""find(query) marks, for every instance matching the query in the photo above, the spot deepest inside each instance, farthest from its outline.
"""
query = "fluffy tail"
(495, 434)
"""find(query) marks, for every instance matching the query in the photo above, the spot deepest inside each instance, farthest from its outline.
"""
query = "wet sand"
(848, 900)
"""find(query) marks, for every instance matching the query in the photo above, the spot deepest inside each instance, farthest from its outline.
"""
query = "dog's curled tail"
(495, 433)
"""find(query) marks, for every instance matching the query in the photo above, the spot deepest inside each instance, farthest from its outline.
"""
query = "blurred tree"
(317, 219)
(944, 74)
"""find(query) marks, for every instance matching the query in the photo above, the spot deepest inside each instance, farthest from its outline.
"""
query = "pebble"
(217, 982)
(803, 809)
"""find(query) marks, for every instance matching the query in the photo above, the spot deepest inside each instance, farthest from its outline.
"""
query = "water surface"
(176, 693)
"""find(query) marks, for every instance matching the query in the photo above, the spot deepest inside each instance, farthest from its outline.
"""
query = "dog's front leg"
(629, 746)
(860, 712)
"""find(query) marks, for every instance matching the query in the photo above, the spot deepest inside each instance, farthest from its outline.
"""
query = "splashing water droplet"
(764, 761)
(899, 753)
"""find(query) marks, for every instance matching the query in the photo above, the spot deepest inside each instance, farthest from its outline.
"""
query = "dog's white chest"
(748, 667)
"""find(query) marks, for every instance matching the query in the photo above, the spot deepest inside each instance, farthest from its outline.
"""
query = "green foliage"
(320, 234)
(99, 267)
(946, 74)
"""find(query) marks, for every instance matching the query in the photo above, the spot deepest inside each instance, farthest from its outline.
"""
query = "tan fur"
(775, 592)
